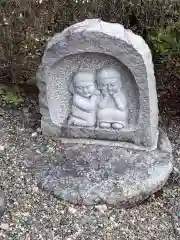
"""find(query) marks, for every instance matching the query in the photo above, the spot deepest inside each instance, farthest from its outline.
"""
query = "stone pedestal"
(97, 172)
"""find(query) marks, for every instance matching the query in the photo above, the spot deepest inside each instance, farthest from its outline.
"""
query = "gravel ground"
(32, 214)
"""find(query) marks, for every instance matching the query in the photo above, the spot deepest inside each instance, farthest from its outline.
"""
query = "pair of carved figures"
(98, 99)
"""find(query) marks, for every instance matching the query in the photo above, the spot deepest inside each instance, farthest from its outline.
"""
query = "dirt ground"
(32, 214)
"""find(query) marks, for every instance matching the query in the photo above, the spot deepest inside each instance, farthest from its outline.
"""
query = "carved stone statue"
(84, 100)
(113, 152)
(112, 106)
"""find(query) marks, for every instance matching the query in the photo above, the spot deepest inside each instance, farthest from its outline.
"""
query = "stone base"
(95, 174)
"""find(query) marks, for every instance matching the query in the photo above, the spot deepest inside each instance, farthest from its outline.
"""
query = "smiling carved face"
(110, 85)
(85, 89)
(109, 80)
(84, 83)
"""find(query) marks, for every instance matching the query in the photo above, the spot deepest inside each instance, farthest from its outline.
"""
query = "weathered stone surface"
(92, 174)
(95, 44)
(98, 96)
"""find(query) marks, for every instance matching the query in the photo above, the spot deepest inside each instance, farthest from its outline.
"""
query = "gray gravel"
(32, 214)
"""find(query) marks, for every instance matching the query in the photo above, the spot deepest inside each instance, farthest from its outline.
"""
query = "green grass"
(11, 97)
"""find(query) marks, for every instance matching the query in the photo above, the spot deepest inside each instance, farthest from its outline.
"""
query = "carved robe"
(85, 109)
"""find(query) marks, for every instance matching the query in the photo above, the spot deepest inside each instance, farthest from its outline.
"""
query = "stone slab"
(93, 174)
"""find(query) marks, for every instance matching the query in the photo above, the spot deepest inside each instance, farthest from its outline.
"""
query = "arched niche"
(59, 98)
(95, 37)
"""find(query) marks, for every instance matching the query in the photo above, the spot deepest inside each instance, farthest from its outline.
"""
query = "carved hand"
(120, 101)
(103, 102)
(116, 92)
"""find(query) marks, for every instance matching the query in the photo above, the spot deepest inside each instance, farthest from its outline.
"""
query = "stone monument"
(98, 96)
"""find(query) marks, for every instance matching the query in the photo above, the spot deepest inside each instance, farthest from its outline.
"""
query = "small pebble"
(2, 148)
(34, 135)
(4, 226)
(38, 151)
(39, 130)
(35, 189)
(25, 214)
(101, 208)
(16, 203)
(72, 210)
